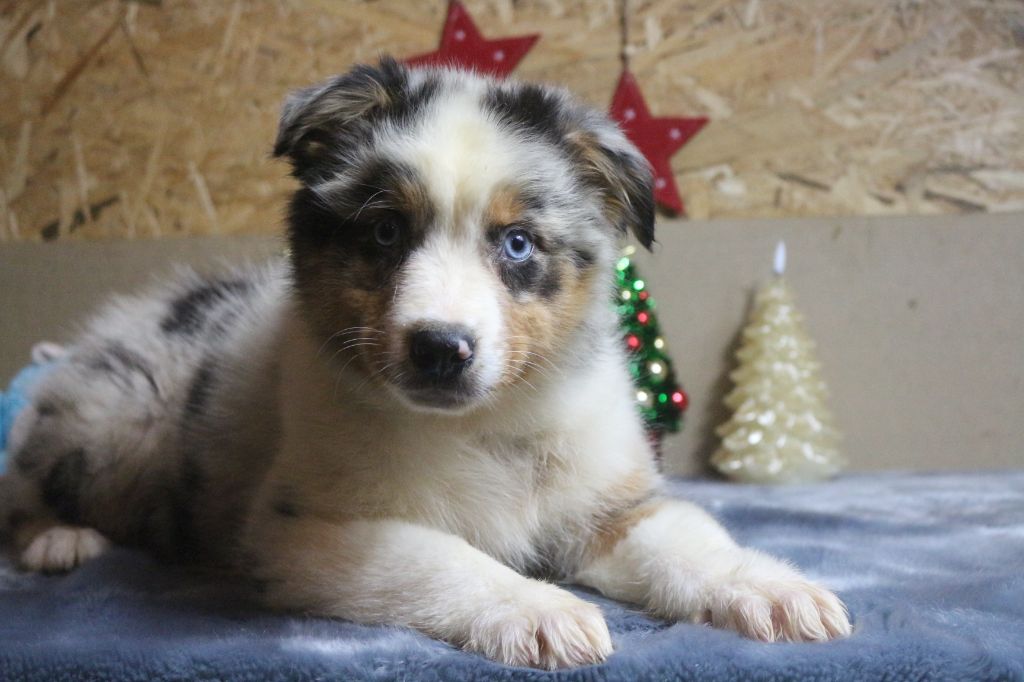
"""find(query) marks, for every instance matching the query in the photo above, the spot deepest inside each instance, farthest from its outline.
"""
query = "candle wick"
(779, 265)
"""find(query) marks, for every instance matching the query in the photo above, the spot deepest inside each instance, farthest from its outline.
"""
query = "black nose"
(441, 354)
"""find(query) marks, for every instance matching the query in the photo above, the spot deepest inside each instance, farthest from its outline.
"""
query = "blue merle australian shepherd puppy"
(420, 413)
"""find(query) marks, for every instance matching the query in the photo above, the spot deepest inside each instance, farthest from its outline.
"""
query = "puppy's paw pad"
(548, 629)
(62, 548)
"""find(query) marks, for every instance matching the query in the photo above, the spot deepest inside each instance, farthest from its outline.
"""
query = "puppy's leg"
(677, 561)
(48, 546)
(397, 572)
(39, 540)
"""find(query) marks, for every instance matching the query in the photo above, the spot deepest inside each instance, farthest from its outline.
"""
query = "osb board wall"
(155, 117)
(841, 107)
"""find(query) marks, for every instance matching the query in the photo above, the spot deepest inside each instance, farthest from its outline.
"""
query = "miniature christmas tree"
(781, 430)
(659, 397)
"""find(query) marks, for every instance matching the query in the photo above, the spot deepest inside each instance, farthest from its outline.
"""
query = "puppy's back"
(140, 430)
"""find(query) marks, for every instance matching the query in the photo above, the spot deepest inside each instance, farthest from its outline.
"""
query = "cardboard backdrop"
(918, 321)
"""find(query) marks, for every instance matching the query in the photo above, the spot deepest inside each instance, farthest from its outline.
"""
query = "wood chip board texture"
(151, 118)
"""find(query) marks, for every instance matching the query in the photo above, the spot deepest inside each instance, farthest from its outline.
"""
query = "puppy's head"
(452, 233)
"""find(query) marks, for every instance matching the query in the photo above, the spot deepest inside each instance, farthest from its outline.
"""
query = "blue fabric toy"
(16, 397)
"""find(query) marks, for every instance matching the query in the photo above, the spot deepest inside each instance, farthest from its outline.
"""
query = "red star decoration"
(463, 46)
(658, 138)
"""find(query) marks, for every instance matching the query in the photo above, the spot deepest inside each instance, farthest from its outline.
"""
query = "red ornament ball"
(679, 399)
(633, 341)
(642, 317)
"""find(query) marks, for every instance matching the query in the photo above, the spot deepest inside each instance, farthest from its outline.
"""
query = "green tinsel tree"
(660, 398)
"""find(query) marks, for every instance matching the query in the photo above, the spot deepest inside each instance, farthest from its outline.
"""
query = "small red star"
(463, 46)
(658, 138)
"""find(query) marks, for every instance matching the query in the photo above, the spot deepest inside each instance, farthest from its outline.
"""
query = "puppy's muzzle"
(440, 355)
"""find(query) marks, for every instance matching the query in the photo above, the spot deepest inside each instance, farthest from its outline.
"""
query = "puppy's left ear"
(620, 172)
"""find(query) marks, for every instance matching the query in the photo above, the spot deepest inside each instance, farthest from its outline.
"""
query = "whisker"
(345, 366)
(518, 374)
(345, 332)
(376, 374)
(349, 345)
(371, 198)
(547, 363)
(537, 367)
(534, 365)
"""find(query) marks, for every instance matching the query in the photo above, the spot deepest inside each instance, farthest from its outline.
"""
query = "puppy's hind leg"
(51, 547)
(42, 496)
(73, 451)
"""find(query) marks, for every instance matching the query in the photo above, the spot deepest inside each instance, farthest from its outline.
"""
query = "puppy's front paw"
(542, 627)
(768, 601)
(61, 548)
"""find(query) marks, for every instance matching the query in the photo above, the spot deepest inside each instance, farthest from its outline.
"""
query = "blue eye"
(518, 245)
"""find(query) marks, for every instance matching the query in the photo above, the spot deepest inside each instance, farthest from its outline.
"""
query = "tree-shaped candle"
(781, 430)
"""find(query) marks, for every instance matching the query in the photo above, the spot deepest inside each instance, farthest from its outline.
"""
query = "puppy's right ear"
(316, 120)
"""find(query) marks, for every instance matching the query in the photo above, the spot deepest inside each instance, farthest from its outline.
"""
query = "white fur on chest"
(508, 479)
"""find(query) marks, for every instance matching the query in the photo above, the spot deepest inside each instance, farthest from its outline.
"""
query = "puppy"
(424, 404)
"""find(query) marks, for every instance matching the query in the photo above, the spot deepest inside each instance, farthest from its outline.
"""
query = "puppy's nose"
(442, 353)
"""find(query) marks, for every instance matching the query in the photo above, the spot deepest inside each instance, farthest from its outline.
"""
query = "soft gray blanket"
(931, 566)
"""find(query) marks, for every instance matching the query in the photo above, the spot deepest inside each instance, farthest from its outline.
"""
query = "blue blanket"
(931, 566)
